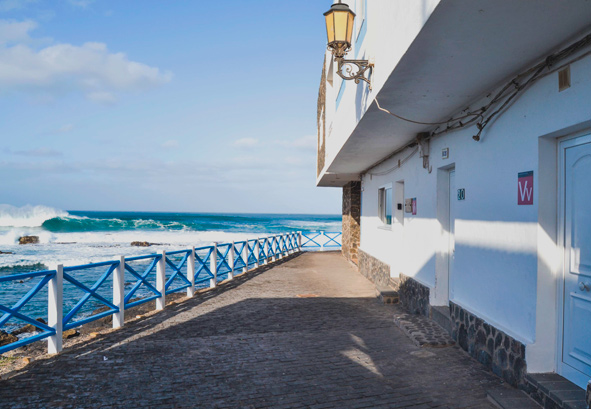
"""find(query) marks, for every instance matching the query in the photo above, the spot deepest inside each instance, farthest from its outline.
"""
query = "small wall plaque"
(525, 188)
(408, 206)
(461, 194)
(445, 153)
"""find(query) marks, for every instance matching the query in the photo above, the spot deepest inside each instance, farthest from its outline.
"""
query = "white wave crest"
(28, 216)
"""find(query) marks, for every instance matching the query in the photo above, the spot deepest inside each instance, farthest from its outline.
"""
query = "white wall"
(497, 242)
(381, 42)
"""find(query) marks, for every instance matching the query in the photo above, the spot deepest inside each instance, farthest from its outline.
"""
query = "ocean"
(80, 237)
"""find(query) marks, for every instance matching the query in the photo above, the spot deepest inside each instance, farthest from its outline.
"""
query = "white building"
(456, 217)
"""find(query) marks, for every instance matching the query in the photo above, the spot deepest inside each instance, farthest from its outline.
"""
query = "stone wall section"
(496, 350)
(374, 270)
(414, 296)
(589, 394)
(321, 120)
(351, 221)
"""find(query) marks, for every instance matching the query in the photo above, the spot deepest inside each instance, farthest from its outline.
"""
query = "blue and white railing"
(149, 278)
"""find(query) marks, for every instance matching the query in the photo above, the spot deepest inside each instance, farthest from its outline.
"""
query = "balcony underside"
(466, 49)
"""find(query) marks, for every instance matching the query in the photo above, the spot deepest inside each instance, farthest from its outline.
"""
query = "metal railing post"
(191, 272)
(119, 293)
(322, 242)
(55, 310)
(213, 266)
(299, 241)
(274, 256)
(231, 261)
(245, 256)
(161, 281)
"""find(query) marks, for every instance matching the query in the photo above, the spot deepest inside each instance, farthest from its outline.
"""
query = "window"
(385, 205)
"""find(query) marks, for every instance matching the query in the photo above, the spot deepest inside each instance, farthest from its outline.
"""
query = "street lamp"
(339, 30)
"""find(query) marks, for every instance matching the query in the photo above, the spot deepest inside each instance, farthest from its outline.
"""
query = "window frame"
(383, 205)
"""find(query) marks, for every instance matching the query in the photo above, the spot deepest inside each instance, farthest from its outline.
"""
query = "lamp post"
(339, 30)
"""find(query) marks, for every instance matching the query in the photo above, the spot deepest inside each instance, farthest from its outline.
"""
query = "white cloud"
(103, 97)
(170, 144)
(90, 68)
(246, 142)
(15, 31)
(308, 143)
(8, 5)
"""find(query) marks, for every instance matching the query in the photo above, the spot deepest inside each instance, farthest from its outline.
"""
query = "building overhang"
(466, 49)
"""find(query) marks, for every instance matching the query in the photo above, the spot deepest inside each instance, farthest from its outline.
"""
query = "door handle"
(585, 286)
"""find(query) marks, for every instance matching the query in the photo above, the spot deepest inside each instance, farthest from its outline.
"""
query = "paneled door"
(576, 345)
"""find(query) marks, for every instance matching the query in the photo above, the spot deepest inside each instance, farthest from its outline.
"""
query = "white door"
(453, 201)
(576, 345)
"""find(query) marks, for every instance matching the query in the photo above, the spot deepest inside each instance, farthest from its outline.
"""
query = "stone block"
(499, 352)
(414, 296)
(373, 269)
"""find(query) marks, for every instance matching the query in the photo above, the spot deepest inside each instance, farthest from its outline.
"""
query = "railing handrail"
(211, 266)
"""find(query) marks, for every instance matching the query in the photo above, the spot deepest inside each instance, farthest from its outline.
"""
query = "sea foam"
(28, 216)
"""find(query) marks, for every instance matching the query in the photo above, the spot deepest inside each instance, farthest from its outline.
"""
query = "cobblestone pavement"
(305, 333)
(422, 330)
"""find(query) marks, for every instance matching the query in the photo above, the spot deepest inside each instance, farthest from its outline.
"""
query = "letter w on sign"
(525, 188)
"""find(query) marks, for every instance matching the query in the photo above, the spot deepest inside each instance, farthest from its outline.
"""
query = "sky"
(152, 105)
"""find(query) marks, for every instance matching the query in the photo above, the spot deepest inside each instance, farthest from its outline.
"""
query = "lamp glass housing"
(339, 27)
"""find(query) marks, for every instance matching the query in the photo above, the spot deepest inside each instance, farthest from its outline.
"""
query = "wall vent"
(564, 78)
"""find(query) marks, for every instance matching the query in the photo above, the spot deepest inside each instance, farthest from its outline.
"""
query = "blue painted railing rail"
(154, 275)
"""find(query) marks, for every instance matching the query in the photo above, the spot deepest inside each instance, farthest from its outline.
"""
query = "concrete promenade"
(307, 332)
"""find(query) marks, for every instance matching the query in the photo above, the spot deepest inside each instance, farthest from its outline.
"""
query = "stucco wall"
(496, 255)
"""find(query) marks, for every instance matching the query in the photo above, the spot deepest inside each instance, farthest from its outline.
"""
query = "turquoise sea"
(80, 237)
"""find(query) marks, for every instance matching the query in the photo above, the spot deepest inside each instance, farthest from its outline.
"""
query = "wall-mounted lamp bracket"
(354, 70)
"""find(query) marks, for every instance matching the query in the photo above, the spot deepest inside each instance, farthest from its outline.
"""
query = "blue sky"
(162, 105)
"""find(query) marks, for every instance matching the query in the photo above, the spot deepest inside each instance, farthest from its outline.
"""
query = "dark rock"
(498, 340)
(509, 376)
(519, 368)
(28, 240)
(589, 394)
(497, 370)
(6, 338)
(140, 244)
(6, 252)
(480, 339)
(71, 333)
(463, 337)
(502, 358)
(490, 345)
(28, 328)
(485, 359)
(507, 343)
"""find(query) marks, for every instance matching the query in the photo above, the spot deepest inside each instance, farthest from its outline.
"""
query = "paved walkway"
(255, 344)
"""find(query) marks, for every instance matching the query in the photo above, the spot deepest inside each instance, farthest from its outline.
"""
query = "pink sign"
(525, 188)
